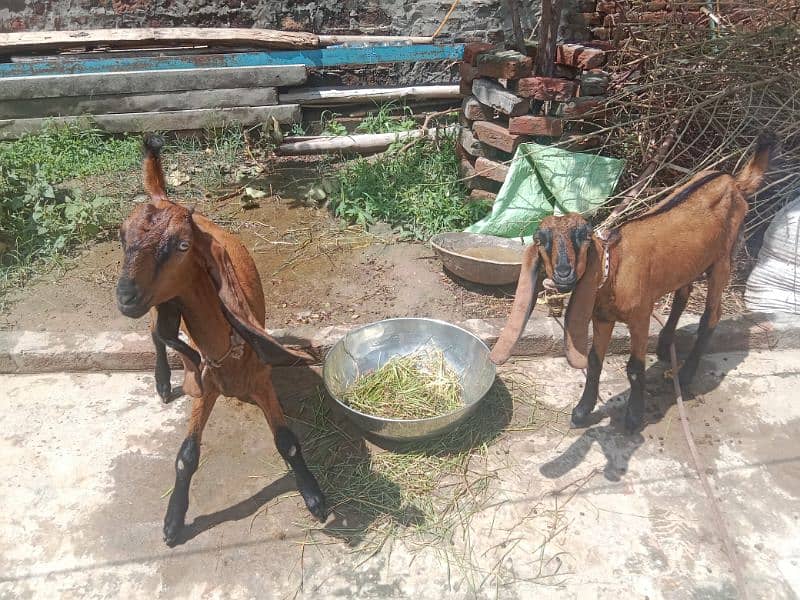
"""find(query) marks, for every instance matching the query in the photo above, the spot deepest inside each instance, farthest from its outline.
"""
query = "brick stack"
(505, 105)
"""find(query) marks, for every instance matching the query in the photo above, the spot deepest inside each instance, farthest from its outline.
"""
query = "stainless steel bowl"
(371, 346)
(450, 248)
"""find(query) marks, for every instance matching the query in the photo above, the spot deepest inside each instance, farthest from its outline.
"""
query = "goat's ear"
(236, 309)
(579, 311)
(524, 302)
(152, 171)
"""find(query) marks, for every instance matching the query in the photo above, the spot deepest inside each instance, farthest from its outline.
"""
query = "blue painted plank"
(323, 57)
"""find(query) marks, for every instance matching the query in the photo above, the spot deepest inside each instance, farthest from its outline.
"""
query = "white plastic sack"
(774, 283)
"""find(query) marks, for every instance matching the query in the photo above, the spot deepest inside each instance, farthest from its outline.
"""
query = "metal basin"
(369, 347)
(494, 260)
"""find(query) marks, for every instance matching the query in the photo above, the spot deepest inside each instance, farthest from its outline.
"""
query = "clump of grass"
(382, 121)
(414, 386)
(416, 189)
(41, 219)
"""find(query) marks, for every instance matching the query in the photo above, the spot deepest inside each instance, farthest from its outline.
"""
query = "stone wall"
(472, 19)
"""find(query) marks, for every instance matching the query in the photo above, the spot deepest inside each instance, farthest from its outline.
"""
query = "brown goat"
(692, 232)
(187, 268)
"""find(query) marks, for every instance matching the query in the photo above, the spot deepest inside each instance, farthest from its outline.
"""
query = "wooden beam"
(150, 36)
(331, 40)
(207, 118)
(548, 36)
(512, 8)
(135, 103)
(316, 58)
(332, 97)
(358, 144)
(143, 82)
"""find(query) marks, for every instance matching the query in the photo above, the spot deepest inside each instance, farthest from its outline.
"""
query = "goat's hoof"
(580, 416)
(172, 529)
(633, 421)
(164, 391)
(315, 502)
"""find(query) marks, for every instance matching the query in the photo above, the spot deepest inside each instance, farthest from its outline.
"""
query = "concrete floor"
(595, 513)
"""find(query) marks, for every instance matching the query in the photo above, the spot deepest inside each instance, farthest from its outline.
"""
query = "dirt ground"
(313, 269)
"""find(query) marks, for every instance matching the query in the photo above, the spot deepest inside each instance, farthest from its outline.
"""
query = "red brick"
(547, 88)
(465, 168)
(475, 111)
(655, 6)
(585, 19)
(580, 56)
(481, 183)
(473, 50)
(506, 64)
(656, 17)
(530, 125)
(496, 136)
(491, 170)
(467, 72)
(465, 88)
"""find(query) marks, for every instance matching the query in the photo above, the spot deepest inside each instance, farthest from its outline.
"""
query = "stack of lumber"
(505, 104)
(132, 80)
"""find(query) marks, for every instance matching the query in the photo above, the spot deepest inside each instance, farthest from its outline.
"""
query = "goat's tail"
(749, 178)
(151, 168)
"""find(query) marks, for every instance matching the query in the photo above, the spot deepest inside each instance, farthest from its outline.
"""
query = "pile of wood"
(505, 104)
(132, 80)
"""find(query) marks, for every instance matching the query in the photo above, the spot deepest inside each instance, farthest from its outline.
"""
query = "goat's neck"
(204, 319)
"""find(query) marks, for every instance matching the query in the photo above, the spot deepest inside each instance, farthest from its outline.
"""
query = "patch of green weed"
(416, 189)
(382, 121)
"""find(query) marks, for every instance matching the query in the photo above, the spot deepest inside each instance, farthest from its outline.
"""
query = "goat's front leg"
(186, 463)
(718, 278)
(289, 448)
(667, 336)
(639, 330)
(165, 333)
(162, 370)
(600, 338)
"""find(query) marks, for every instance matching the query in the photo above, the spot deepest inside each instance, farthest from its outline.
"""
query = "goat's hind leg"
(718, 277)
(667, 336)
(601, 336)
(186, 463)
(289, 448)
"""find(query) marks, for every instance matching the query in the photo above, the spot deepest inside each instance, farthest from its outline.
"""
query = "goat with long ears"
(692, 232)
(193, 274)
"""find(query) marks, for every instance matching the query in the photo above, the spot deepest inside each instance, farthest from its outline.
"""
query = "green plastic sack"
(545, 180)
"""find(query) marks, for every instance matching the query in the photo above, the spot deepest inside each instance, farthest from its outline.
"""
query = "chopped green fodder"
(414, 386)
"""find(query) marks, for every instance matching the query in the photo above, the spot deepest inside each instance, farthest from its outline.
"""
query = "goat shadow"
(619, 446)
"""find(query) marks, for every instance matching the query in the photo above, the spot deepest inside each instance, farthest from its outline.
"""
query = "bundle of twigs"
(691, 98)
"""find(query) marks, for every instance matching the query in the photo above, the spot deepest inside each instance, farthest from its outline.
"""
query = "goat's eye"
(183, 245)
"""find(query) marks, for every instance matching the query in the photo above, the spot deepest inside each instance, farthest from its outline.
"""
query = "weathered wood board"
(162, 121)
(135, 103)
(144, 82)
(316, 58)
(331, 97)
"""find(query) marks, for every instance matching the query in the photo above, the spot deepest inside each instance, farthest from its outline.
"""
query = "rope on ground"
(730, 549)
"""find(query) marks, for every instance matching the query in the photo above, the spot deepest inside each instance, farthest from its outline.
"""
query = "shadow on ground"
(619, 446)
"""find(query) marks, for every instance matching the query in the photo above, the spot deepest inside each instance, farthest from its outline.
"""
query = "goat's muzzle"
(564, 279)
(130, 301)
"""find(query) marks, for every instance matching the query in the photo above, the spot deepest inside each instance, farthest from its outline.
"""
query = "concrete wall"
(481, 19)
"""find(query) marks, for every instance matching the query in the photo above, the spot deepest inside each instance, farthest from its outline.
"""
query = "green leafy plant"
(382, 121)
(330, 124)
(40, 218)
(416, 189)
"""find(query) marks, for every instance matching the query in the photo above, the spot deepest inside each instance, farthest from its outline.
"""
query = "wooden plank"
(206, 118)
(317, 58)
(149, 36)
(143, 82)
(134, 103)
(331, 40)
(548, 35)
(336, 96)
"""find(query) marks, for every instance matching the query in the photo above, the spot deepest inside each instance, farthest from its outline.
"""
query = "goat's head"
(563, 245)
(157, 239)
